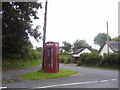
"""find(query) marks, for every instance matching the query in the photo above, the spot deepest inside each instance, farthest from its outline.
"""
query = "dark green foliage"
(119, 60)
(29, 54)
(67, 61)
(62, 60)
(94, 59)
(79, 62)
(80, 44)
(16, 24)
(90, 58)
(66, 46)
(100, 39)
(39, 49)
(64, 57)
(83, 58)
(64, 53)
(110, 60)
(116, 38)
(31, 58)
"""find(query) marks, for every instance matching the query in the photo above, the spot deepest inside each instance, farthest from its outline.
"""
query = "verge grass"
(40, 75)
(17, 64)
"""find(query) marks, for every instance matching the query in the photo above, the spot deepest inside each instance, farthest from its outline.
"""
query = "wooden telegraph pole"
(44, 34)
(107, 38)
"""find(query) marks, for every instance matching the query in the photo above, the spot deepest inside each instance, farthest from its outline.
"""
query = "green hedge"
(89, 59)
(111, 60)
(64, 57)
(26, 54)
(25, 59)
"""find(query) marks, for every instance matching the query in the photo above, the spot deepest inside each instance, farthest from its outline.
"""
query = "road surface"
(87, 78)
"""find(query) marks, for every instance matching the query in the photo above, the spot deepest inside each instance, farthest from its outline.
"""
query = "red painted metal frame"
(51, 65)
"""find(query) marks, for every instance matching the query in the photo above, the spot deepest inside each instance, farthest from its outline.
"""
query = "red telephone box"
(51, 63)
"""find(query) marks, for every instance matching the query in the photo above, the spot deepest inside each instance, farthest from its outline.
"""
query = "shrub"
(110, 60)
(64, 53)
(90, 58)
(26, 54)
(64, 57)
(93, 58)
(78, 62)
(119, 60)
(66, 61)
(83, 58)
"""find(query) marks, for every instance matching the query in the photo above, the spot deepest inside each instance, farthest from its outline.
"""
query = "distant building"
(76, 54)
(114, 46)
(61, 49)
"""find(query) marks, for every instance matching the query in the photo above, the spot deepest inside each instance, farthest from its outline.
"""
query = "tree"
(16, 24)
(80, 44)
(116, 39)
(100, 39)
(39, 49)
(67, 46)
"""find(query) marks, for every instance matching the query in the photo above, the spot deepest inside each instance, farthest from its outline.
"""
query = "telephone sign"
(51, 63)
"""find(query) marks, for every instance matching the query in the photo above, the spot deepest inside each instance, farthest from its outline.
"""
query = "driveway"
(87, 78)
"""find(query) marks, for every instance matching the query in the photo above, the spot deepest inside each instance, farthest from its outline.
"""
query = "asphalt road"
(87, 78)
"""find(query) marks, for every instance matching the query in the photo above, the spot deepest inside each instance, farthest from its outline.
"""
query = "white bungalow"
(111, 46)
(76, 54)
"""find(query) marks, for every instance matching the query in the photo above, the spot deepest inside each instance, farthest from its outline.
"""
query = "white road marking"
(103, 80)
(68, 84)
(113, 79)
(2, 87)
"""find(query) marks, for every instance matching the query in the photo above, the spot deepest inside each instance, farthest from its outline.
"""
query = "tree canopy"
(100, 39)
(66, 46)
(80, 44)
(116, 38)
(16, 24)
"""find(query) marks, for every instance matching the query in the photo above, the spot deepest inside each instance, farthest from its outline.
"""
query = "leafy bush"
(83, 58)
(110, 60)
(66, 61)
(79, 63)
(64, 53)
(89, 59)
(26, 54)
(119, 60)
(27, 57)
(93, 58)
(64, 57)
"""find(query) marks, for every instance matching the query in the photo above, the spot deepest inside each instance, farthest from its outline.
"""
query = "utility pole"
(44, 34)
(107, 39)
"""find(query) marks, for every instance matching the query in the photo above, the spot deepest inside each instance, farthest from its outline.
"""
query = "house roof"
(79, 50)
(114, 45)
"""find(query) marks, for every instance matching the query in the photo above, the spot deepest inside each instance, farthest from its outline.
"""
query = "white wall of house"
(105, 50)
(84, 51)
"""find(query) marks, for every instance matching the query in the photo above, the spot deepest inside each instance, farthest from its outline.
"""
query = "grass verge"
(17, 64)
(40, 75)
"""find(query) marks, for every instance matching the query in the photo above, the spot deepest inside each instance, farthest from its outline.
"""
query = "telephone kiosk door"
(51, 64)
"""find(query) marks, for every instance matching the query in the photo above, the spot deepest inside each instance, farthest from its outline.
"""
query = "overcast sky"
(69, 20)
